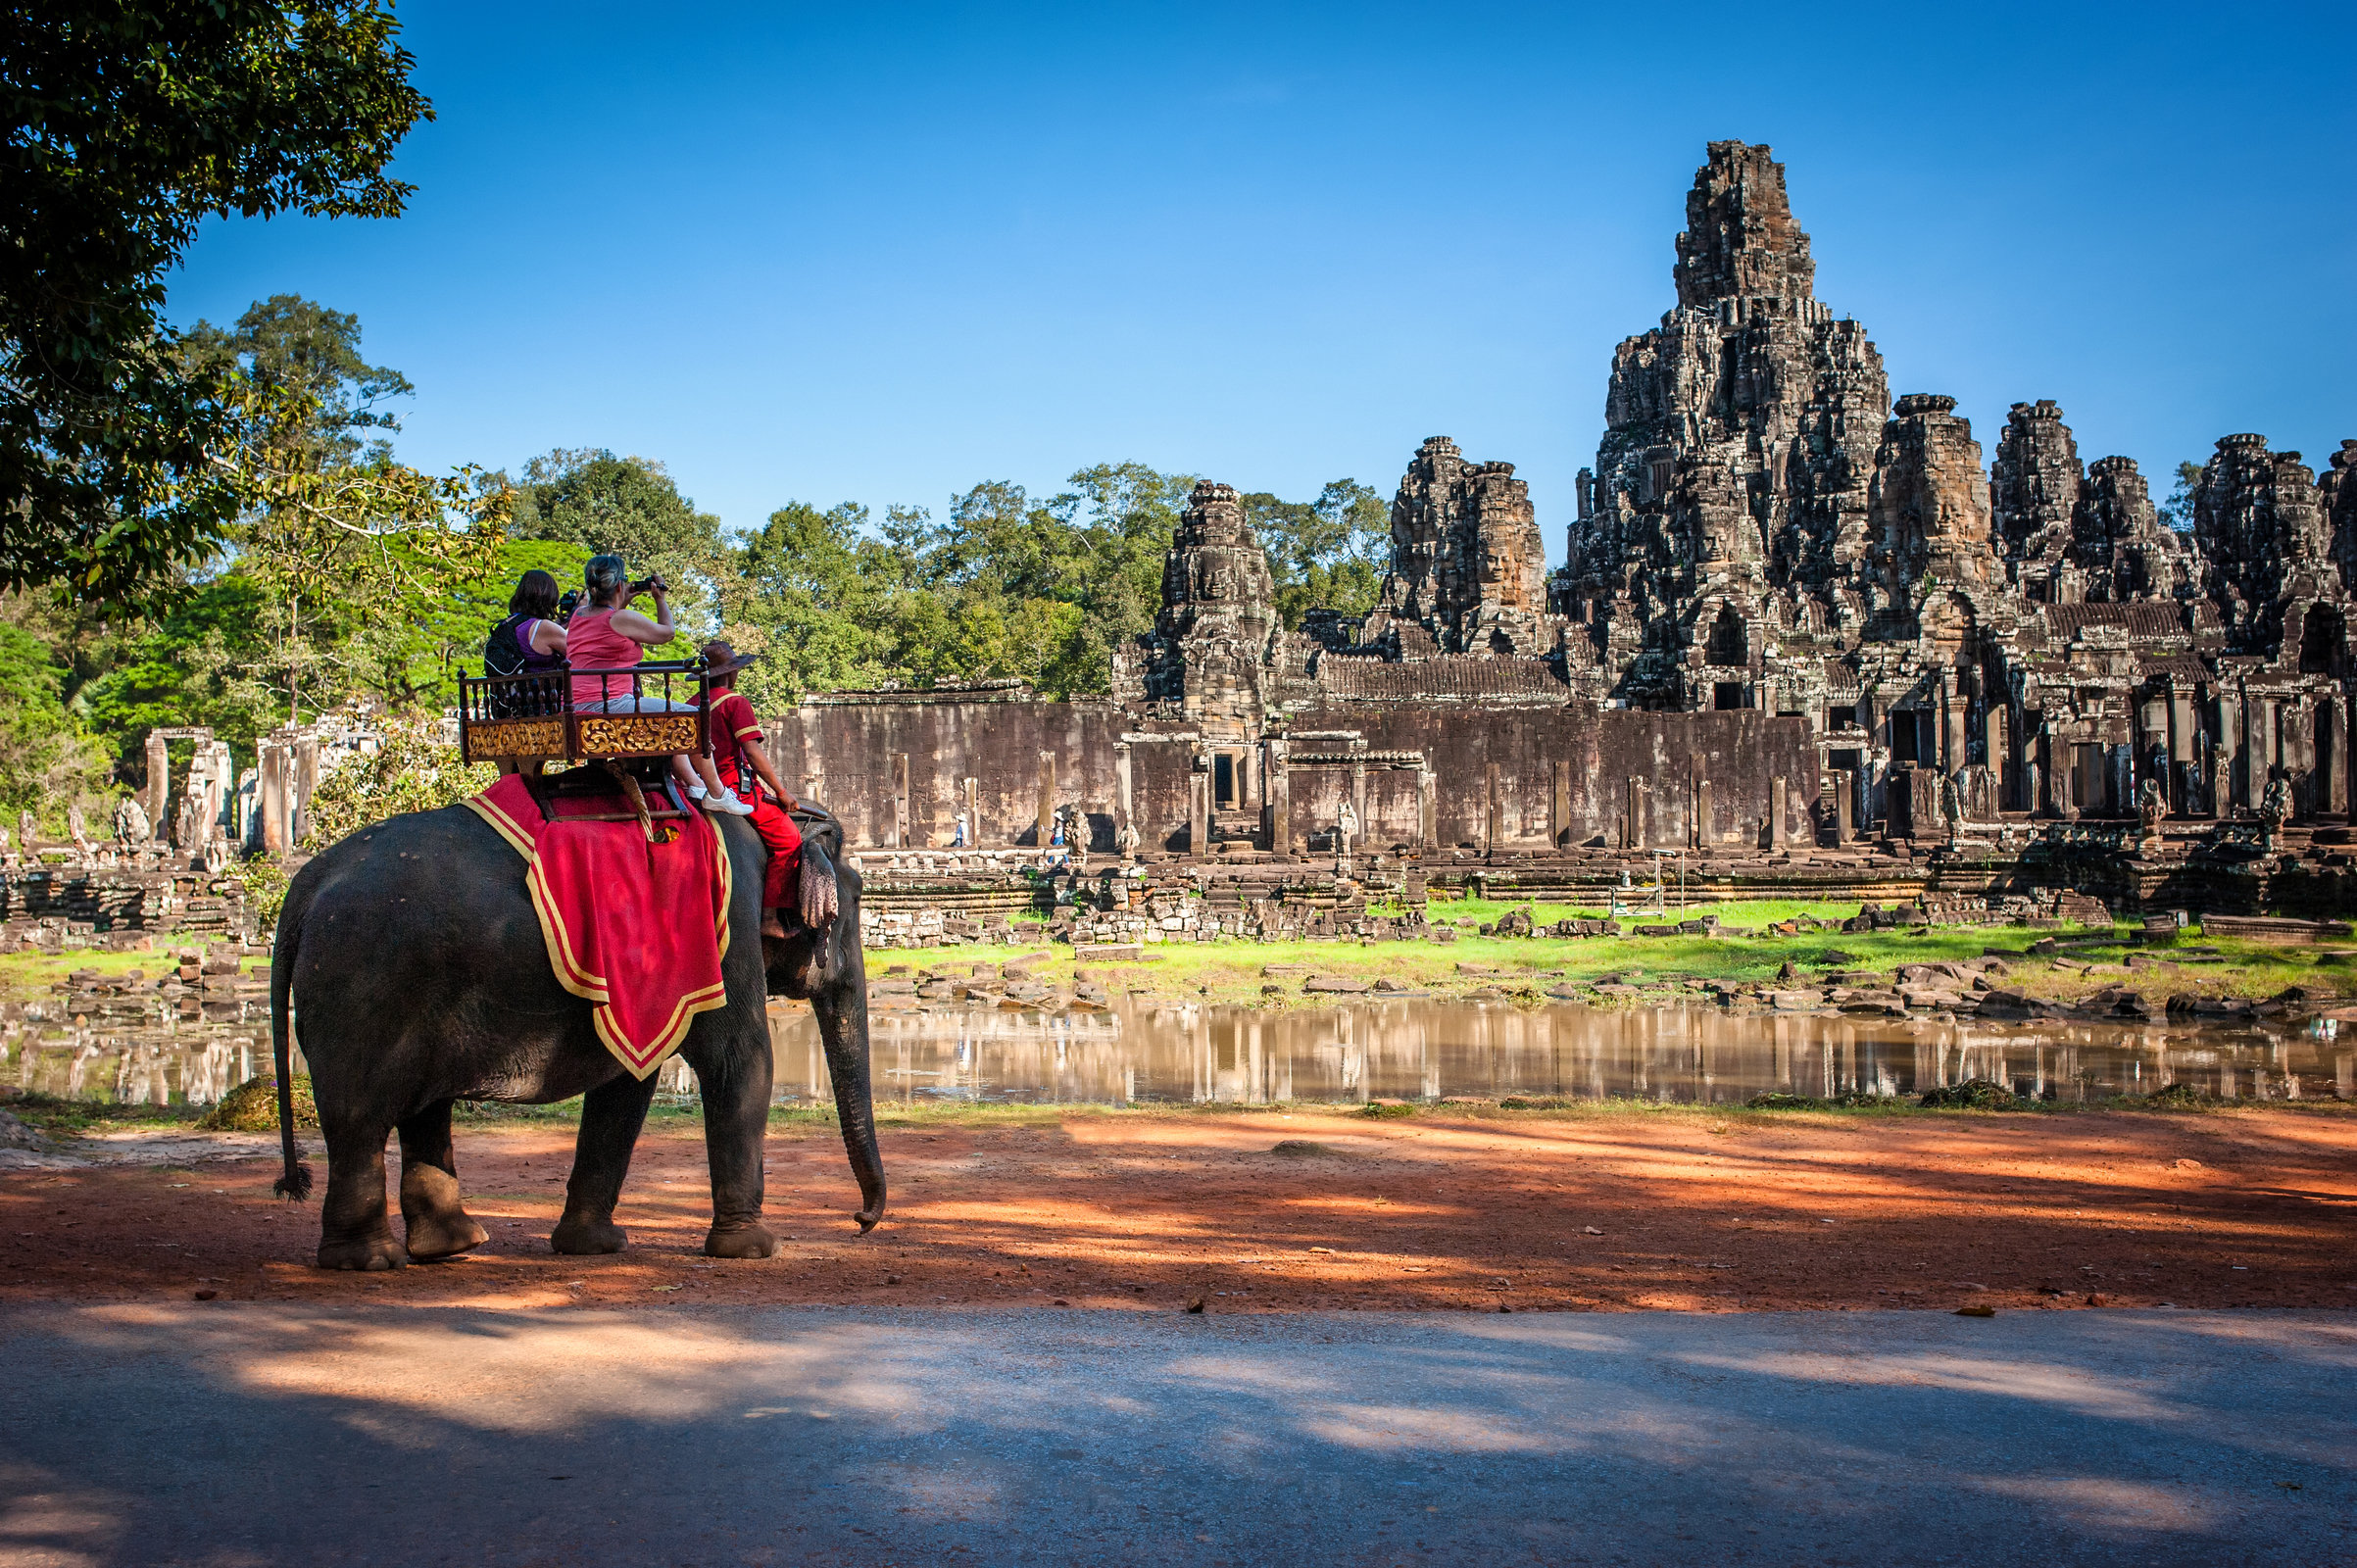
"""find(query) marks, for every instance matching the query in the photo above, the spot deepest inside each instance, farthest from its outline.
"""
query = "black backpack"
(503, 652)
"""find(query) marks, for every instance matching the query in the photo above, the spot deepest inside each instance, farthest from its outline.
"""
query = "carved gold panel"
(629, 734)
(490, 738)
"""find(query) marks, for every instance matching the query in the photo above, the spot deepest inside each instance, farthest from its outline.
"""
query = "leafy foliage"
(1009, 587)
(1327, 554)
(253, 1106)
(416, 770)
(43, 754)
(2177, 510)
(127, 124)
(629, 505)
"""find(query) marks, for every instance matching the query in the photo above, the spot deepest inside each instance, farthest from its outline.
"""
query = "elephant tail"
(295, 1184)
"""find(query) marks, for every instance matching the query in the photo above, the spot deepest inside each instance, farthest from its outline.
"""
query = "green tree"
(628, 505)
(407, 651)
(211, 660)
(2177, 510)
(796, 593)
(1327, 554)
(291, 344)
(127, 124)
(43, 754)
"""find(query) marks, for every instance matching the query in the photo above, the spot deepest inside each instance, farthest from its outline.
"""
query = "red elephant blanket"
(634, 927)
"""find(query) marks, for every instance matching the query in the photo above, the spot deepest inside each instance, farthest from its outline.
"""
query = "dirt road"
(1146, 1211)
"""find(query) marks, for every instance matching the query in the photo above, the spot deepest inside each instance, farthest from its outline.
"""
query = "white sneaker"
(727, 800)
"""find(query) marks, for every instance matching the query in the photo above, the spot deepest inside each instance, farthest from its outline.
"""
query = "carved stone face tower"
(1467, 563)
(1740, 241)
(1215, 580)
(1739, 445)
(1211, 645)
(2261, 531)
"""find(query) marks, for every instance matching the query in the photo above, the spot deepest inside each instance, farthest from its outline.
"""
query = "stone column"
(245, 810)
(1558, 806)
(1494, 819)
(1703, 834)
(1427, 826)
(1277, 779)
(1995, 724)
(1199, 808)
(274, 796)
(1358, 792)
(1952, 724)
(1045, 816)
(213, 762)
(158, 783)
(900, 802)
(970, 790)
(1126, 798)
(1632, 822)
(1845, 805)
(1779, 805)
(306, 781)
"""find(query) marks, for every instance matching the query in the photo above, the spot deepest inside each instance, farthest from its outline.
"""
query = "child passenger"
(743, 767)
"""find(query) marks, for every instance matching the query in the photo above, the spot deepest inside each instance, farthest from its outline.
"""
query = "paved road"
(265, 1435)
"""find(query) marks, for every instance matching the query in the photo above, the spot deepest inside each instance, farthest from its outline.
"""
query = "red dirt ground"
(1609, 1214)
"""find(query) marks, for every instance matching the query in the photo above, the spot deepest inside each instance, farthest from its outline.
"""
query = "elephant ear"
(820, 901)
(818, 825)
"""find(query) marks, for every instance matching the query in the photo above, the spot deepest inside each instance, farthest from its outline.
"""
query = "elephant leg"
(736, 1125)
(435, 1225)
(356, 1230)
(611, 1115)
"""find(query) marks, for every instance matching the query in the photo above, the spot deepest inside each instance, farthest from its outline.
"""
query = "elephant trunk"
(841, 1006)
(843, 1027)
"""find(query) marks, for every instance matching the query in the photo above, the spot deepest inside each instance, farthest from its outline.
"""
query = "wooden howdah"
(521, 719)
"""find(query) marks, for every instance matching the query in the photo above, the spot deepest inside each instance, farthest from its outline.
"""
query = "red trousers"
(781, 889)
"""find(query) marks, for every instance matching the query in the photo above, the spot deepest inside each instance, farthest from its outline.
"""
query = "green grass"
(72, 1118)
(32, 973)
(1231, 972)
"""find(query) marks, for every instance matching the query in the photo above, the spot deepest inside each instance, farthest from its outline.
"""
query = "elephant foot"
(583, 1238)
(739, 1240)
(431, 1236)
(436, 1226)
(369, 1254)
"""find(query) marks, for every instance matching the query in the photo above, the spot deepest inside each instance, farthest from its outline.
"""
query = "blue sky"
(880, 253)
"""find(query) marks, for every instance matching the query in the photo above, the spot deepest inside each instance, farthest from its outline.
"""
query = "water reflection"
(154, 1058)
(1429, 1049)
(1420, 1048)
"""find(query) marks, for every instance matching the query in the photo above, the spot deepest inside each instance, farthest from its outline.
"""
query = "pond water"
(1416, 1049)
(1429, 1049)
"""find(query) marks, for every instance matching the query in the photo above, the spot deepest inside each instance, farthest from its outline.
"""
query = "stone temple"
(1808, 638)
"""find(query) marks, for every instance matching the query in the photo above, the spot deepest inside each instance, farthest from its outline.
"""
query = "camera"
(652, 584)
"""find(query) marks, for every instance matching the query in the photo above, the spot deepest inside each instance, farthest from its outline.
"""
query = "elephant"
(410, 961)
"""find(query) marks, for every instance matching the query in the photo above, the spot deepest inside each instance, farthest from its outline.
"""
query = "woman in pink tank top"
(612, 636)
